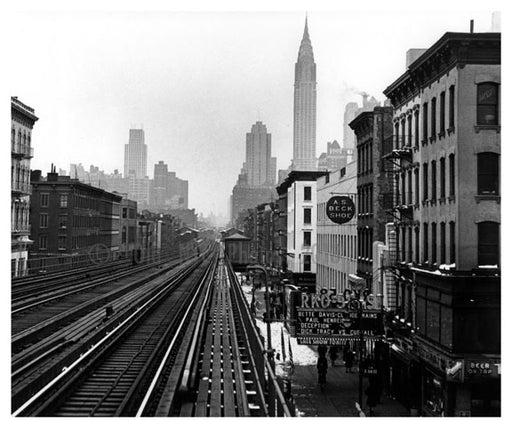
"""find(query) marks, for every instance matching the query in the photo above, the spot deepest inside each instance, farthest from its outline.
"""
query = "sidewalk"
(338, 396)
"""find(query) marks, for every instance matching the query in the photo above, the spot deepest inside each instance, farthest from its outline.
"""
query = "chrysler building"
(304, 108)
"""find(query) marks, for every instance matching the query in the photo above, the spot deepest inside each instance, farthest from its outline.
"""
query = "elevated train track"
(188, 349)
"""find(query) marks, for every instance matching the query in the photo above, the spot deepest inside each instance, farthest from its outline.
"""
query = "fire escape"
(398, 162)
(399, 203)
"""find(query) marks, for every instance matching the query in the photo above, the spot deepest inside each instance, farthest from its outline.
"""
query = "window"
(409, 131)
(488, 174)
(402, 179)
(307, 193)
(425, 242)
(409, 187)
(397, 134)
(402, 143)
(327, 178)
(409, 246)
(63, 221)
(442, 102)
(417, 129)
(307, 239)
(451, 107)
(417, 186)
(404, 239)
(425, 122)
(125, 212)
(434, 181)
(434, 243)
(443, 242)
(62, 242)
(487, 104)
(417, 244)
(44, 199)
(451, 166)
(442, 177)
(452, 242)
(123, 235)
(425, 181)
(433, 119)
(307, 215)
(43, 242)
(63, 201)
(488, 243)
(307, 263)
(43, 220)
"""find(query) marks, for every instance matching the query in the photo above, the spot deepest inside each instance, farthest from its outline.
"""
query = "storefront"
(405, 374)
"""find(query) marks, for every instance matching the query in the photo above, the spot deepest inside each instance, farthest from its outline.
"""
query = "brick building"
(446, 109)
(72, 223)
(374, 132)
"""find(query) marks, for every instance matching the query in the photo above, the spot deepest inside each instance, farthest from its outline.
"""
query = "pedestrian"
(372, 393)
(333, 353)
(349, 361)
(321, 366)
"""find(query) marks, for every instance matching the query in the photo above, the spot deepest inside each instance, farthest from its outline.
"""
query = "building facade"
(23, 119)
(374, 137)
(335, 157)
(260, 165)
(72, 223)
(304, 107)
(447, 202)
(135, 155)
(301, 218)
(128, 228)
(336, 250)
(167, 190)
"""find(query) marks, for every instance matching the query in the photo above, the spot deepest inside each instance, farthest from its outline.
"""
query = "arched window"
(19, 137)
(24, 138)
(488, 173)
(13, 136)
(487, 104)
(488, 243)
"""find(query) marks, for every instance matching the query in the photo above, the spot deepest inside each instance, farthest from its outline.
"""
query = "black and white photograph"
(260, 210)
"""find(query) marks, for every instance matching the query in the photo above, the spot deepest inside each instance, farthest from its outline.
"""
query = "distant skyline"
(198, 81)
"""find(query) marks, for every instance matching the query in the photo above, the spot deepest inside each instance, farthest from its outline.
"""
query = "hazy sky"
(198, 81)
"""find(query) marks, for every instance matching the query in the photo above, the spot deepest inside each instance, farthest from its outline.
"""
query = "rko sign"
(340, 209)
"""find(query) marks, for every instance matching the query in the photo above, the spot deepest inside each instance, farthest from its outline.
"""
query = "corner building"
(447, 204)
(22, 123)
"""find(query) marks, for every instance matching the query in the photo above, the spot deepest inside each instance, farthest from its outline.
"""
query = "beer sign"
(340, 209)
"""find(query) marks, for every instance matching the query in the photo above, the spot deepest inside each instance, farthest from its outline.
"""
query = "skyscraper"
(304, 107)
(259, 164)
(135, 168)
(349, 137)
(135, 155)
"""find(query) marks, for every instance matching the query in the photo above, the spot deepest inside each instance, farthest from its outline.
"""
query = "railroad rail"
(189, 348)
(110, 377)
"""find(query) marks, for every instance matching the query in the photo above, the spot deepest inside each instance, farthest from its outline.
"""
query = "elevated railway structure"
(184, 344)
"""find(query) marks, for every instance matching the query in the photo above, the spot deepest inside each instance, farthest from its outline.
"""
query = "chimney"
(471, 25)
(35, 175)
